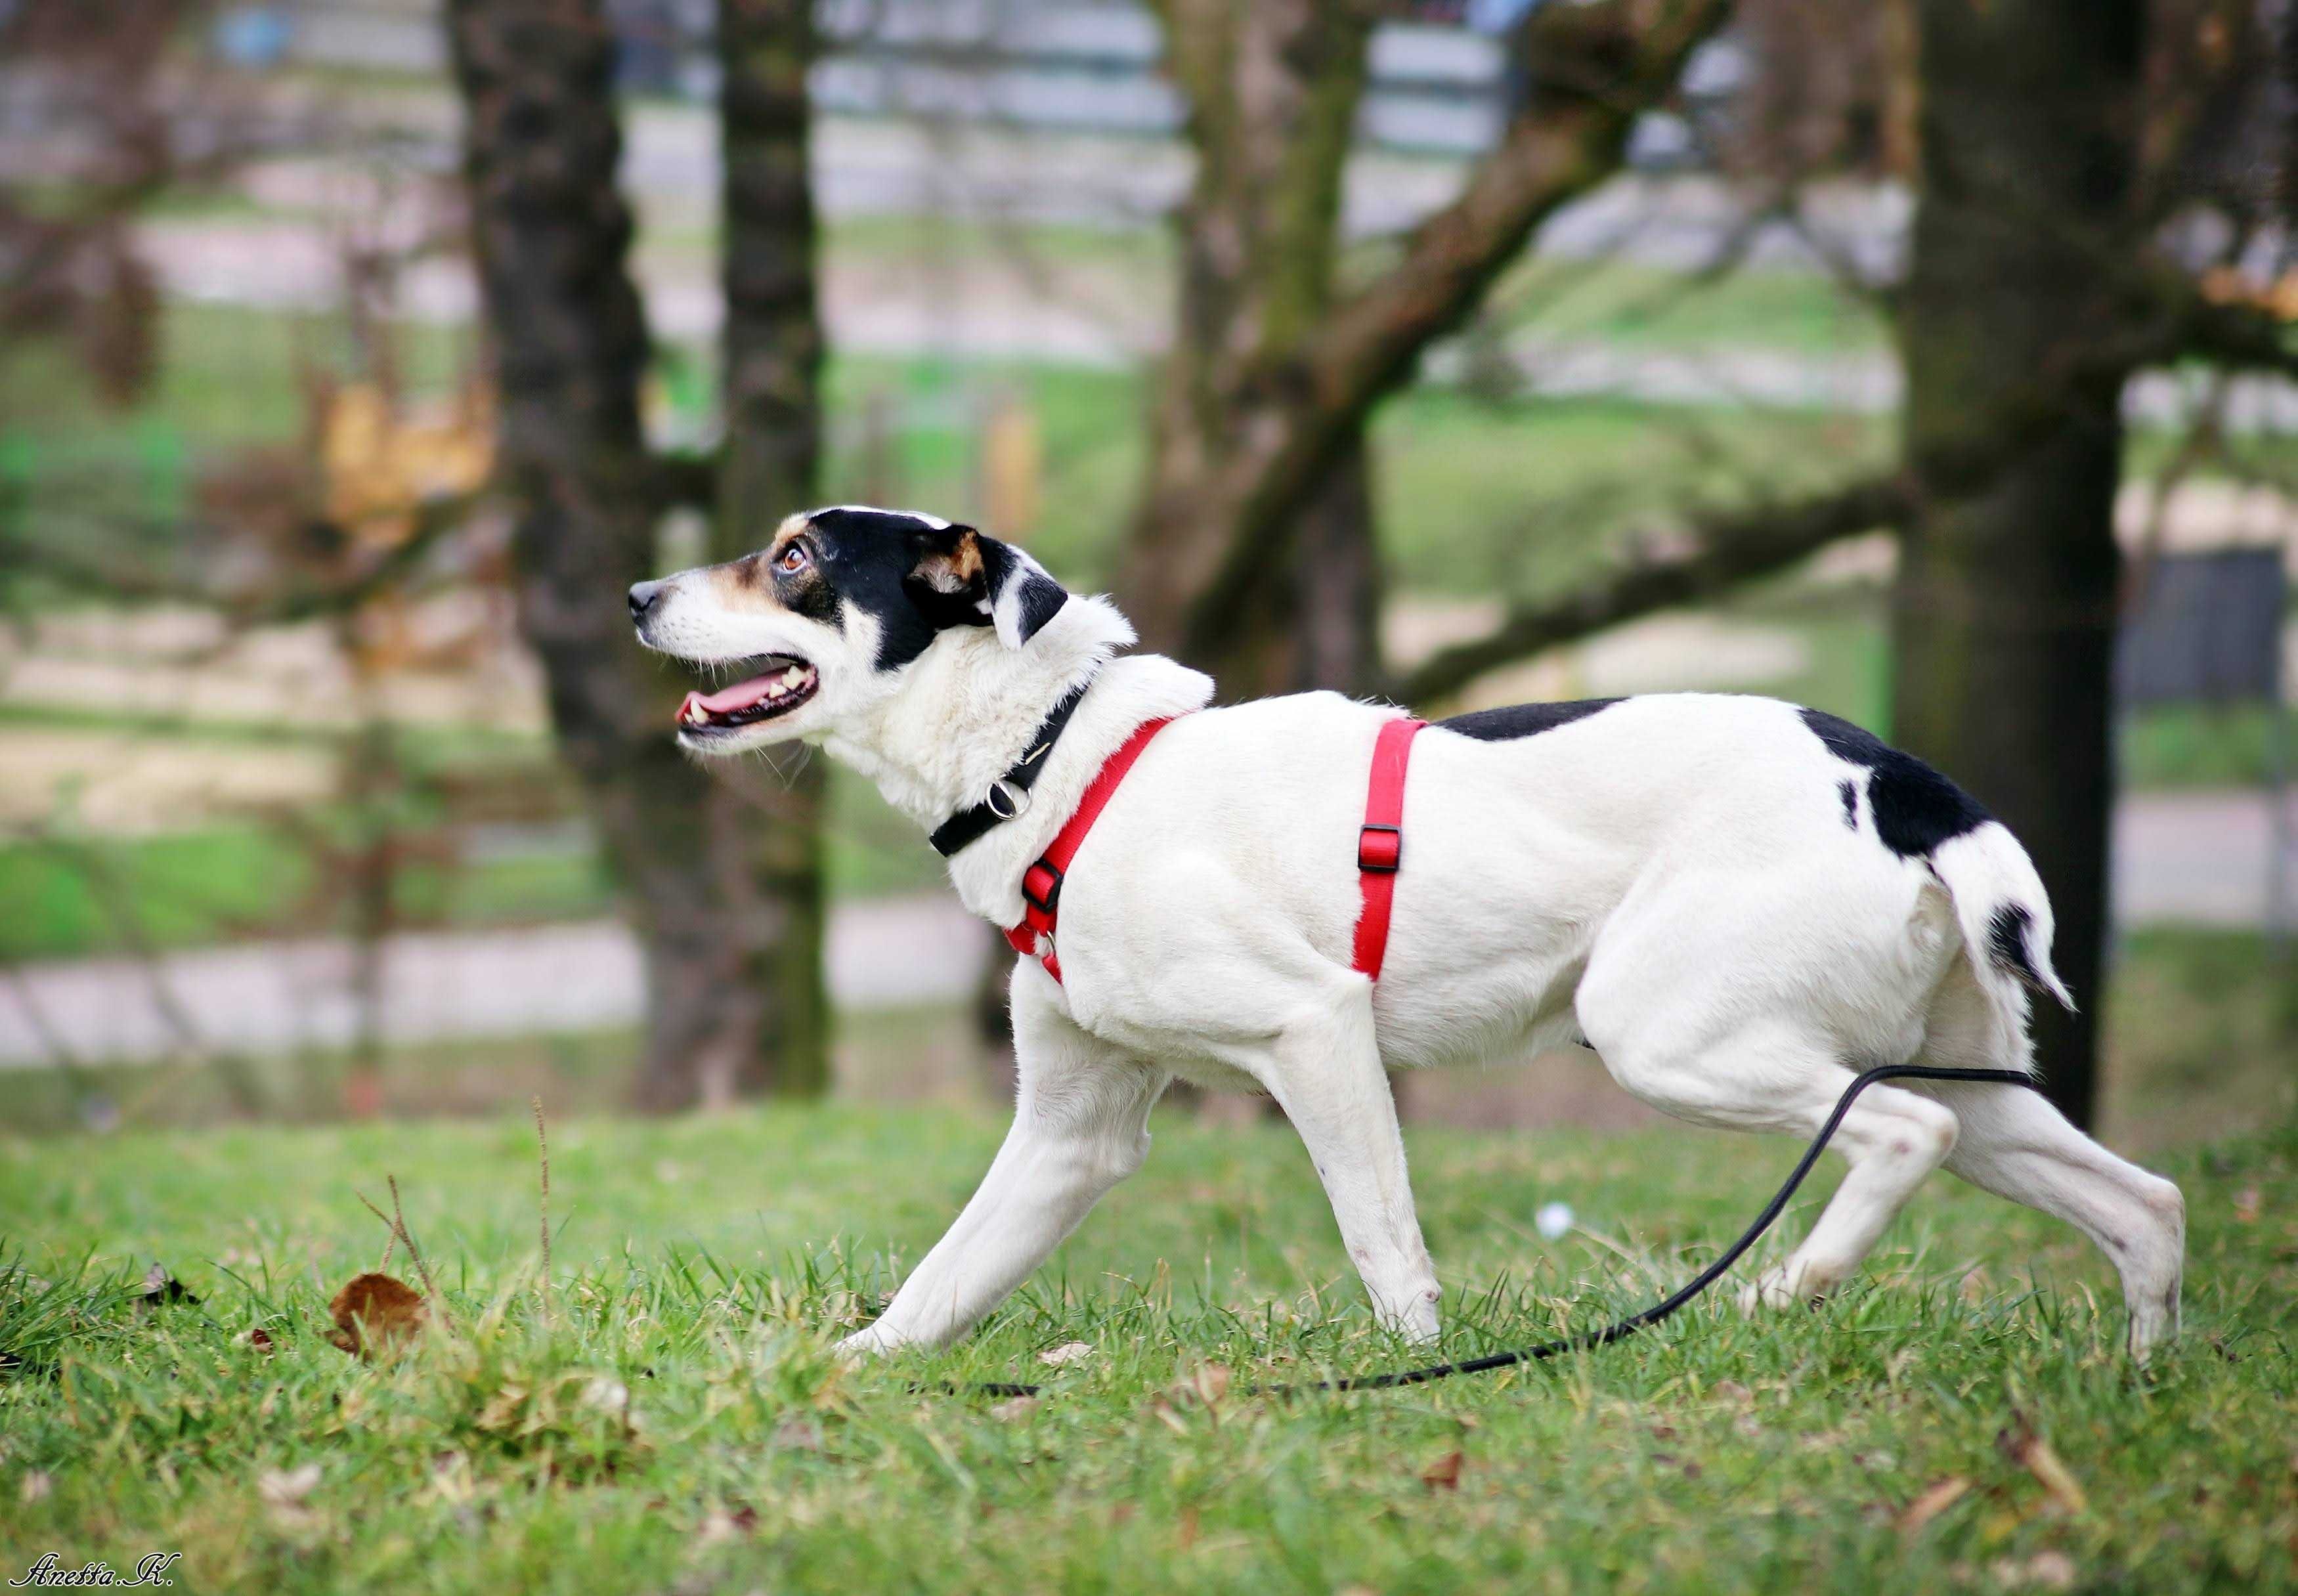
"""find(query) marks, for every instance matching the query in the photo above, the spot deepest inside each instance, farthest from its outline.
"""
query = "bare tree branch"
(1598, 67)
(1714, 554)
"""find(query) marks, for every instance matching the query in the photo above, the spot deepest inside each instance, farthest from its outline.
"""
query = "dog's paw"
(862, 1346)
(1783, 1285)
(1410, 1317)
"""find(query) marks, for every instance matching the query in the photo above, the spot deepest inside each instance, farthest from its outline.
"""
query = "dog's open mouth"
(777, 685)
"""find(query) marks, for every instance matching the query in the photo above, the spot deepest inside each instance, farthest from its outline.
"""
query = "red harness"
(1380, 846)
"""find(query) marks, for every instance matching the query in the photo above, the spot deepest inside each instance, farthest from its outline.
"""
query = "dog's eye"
(793, 559)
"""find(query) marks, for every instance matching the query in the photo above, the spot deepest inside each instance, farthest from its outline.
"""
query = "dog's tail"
(2005, 913)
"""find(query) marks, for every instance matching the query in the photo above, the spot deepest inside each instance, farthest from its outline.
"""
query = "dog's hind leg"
(1080, 1119)
(1769, 1075)
(2017, 1145)
(1324, 1072)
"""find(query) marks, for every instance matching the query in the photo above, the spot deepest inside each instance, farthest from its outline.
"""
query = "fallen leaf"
(1069, 1351)
(162, 1289)
(1732, 1391)
(284, 1488)
(260, 1339)
(2045, 1570)
(1014, 1407)
(735, 1522)
(1207, 1383)
(2030, 1451)
(794, 1434)
(1186, 1531)
(375, 1313)
(34, 1487)
(2246, 1204)
(1444, 1473)
(1934, 1501)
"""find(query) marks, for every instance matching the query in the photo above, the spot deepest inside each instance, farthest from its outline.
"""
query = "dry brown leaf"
(36, 1486)
(1014, 1407)
(1207, 1383)
(2021, 1445)
(796, 1435)
(1444, 1473)
(1186, 1531)
(1069, 1351)
(2045, 1571)
(260, 1339)
(162, 1289)
(375, 1313)
(284, 1488)
(1934, 1501)
(732, 1524)
(2246, 1204)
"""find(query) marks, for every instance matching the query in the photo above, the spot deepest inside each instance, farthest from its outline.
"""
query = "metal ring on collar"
(1006, 800)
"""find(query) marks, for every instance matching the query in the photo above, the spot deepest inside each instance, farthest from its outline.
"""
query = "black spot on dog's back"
(1849, 792)
(1916, 807)
(1523, 720)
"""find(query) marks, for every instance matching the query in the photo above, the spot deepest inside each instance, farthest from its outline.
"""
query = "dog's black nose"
(642, 597)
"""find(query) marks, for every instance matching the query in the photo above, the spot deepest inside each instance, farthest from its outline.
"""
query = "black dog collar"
(1009, 794)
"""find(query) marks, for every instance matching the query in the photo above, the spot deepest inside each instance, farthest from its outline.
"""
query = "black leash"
(1635, 1321)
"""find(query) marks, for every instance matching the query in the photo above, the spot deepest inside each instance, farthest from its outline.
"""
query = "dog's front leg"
(1324, 1072)
(1079, 1127)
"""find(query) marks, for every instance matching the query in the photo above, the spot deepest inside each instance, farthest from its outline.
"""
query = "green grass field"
(668, 1420)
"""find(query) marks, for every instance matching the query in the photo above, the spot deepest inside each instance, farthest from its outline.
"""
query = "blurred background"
(1925, 362)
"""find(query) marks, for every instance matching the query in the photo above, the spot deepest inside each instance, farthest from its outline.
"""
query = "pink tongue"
(741, 696)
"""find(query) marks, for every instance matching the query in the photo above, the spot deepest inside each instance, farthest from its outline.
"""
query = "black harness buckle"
(1042, 899)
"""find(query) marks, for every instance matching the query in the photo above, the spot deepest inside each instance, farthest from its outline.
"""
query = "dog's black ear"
(986, 582)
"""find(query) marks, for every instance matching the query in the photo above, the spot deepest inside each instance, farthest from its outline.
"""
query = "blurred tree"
(1830, 88)
(104, 115)
(1250, 552)
(768, 466)
(2003, 613)
(723, 883)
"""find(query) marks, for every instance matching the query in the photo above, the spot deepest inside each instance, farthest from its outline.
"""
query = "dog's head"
(821, 622)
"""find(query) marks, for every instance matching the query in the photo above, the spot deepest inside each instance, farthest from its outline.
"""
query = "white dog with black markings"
(1736, 903)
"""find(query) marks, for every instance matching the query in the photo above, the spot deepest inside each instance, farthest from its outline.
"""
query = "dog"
(1735, 903)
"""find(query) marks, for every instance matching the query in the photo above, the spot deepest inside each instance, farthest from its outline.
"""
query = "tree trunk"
(2004, 616)
(1310, 618)
(1273, 91)
(551, 236)
(768, 468)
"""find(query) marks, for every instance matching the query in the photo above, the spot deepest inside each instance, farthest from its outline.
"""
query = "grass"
(669, 1420)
